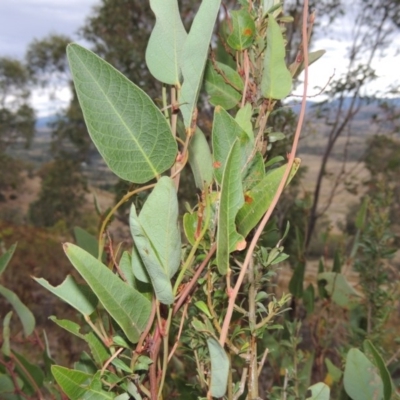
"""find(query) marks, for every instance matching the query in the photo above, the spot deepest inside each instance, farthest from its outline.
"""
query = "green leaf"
(319, 391)
(383, 371)
(97, 348)
(24, 367)
(219, 368)
(361, 215)
(254, 172)
(85, 364)
(157, 237)
(190, 221)
(78, 296)
(312, 57)
(243, 31)
(7, 387)
(334, 372)
(259, 198)
(339, 289)
(361, 378)
(297, 280)
(228, 239)
(87, 242)
(222, 86)
(195, 51)
(309, 298)
(6, 257)
(24, 314)
(77, 384)
(6, 348)
(164, 49)
(125, 265)
(200, 160)
(275, 137)
(276, 80)
(138, 268)
(224, 134)
(243, 118)
(130, 309)
(129, 131)
(203, 307)
(69, 326)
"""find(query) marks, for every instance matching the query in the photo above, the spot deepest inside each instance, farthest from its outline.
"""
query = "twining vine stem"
(233, 294)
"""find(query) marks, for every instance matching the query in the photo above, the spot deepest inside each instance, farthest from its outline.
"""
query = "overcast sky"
(21, 21)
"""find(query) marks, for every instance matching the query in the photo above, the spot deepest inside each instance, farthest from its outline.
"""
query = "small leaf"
(383, 371)
(97, 348)
(243, 31)
(342, 293)
(361, 378)
(223, 85)
(259, 198)
(129, 131)
(297, 280)
(87, 242)
(203, 307)
(125, 265)
(276, 80)
(5, 348)
(190, 221)
(243, 118)
(333, 370)
(309, 298)
(194, 56)
(69, 326)
(312, 57)
(319, 391)
(6, 257)
(225, 132)
(200, 160)
(228, 239)
(276, 136)
(157, 237)
(219, 368)
(254, 173)
(23, 312)
(164, 49)
(78, 296)
(130, 309)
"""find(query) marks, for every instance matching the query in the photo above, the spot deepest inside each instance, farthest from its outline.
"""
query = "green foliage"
(62, 194)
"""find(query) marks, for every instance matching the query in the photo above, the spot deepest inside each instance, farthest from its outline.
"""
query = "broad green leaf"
(276, 136)
(78, 296)
(219, 368)
(259, 198)
(6, 257)
(164, 49)
(340, 290)
(157, 237)
(319, 391)
(79, 385)
(361, 378)
(200, 160)
(243, 118)
(24, 367)
(85, 364)
(228, 239)
(97, 348)
(254, 172)
(24, 314)
(276, 82)
(225, 132)
(194, 57)
(5, 348)
(243, 31)
(334, 372)
(129, 131)
(223, 86)
(383, 371)
(69, 326)
(129, 308)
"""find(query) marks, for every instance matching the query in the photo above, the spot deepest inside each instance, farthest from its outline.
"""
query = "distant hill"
(43, 122)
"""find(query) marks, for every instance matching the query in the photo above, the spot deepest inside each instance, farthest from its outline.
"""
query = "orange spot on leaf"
(248, 199)
(248, 32)
(217, 164)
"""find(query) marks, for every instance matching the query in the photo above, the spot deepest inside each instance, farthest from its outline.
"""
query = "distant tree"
(17, 118)
(62, 194)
